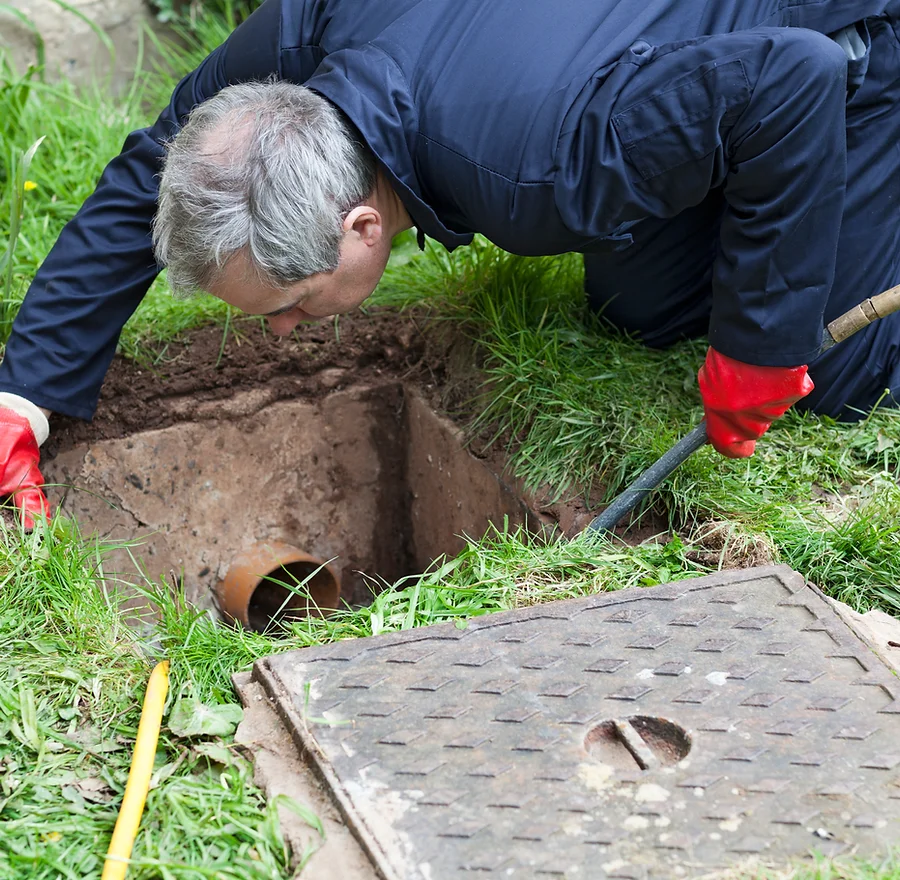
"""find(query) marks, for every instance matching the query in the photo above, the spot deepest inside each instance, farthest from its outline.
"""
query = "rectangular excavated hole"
(369, 477)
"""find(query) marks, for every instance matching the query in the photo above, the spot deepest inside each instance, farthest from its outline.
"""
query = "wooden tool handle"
(864, 314)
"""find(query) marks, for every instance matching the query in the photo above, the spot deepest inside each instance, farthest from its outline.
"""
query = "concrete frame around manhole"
(369, 477)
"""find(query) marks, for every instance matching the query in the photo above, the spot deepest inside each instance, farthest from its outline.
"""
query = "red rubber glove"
(742, 400)
(19, 474)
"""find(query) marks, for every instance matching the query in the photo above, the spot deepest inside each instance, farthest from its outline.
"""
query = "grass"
(70, 699)
(580, 410)
(583, 410)
(70, 691)
(886, 868)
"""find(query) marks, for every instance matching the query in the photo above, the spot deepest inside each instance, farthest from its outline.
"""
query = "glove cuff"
(40, 427)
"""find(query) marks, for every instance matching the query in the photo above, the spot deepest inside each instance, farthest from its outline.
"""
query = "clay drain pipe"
(272, 582)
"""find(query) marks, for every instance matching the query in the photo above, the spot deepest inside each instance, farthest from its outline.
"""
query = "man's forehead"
(239, 286)
(269, 302)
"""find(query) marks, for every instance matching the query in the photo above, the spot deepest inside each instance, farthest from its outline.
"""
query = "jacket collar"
(369, 87)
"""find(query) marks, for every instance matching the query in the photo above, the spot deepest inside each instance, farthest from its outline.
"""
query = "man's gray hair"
(269, 168)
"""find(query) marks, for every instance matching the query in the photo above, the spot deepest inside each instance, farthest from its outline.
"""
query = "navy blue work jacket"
(549, 127)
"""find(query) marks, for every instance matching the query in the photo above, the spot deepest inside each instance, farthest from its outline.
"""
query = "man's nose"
(283, 325)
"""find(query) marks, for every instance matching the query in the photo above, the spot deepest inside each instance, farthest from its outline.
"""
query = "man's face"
(362, 261)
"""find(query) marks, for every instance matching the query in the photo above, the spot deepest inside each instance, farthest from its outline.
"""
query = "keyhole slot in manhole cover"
(640, 740)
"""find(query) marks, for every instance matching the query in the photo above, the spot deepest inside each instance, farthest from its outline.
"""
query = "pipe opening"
(291, 591)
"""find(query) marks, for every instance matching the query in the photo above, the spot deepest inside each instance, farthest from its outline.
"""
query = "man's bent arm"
(759, 114)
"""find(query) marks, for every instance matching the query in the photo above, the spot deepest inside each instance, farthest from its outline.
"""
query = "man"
(727, 167)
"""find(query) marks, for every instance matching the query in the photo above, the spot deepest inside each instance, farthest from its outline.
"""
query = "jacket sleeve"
(760, 115)
(65, 334)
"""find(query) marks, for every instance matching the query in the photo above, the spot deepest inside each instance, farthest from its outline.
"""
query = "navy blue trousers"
(659, 287)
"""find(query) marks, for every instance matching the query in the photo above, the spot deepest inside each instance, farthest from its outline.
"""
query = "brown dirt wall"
(217, 375)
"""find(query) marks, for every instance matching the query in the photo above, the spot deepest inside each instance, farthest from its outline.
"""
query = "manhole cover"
(649, 733)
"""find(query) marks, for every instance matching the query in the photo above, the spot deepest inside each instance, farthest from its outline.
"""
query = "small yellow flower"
(52, 837)
(30, 185)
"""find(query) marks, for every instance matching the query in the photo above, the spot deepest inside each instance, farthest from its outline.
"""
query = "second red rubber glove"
(742, 400)
(20, 476)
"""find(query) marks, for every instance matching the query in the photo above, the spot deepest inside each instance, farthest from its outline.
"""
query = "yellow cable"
(138, 784)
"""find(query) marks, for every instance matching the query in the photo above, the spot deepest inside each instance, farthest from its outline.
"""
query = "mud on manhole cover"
(649, 733)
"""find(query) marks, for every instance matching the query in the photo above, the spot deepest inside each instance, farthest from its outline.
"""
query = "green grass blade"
(17, 205)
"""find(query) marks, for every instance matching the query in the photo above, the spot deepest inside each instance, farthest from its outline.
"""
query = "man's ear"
(366, 222)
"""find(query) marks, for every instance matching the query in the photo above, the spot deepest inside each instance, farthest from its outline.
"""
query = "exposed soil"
(311, 363)
(234, 379)
(199, 379)
(327, 440)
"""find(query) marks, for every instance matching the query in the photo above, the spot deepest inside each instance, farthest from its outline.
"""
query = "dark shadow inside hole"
(669, 742)
(290, 592)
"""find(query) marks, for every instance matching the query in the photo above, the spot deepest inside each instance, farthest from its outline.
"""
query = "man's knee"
(814, 58)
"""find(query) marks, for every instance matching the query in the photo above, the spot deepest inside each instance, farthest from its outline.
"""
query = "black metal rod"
(650, 479)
